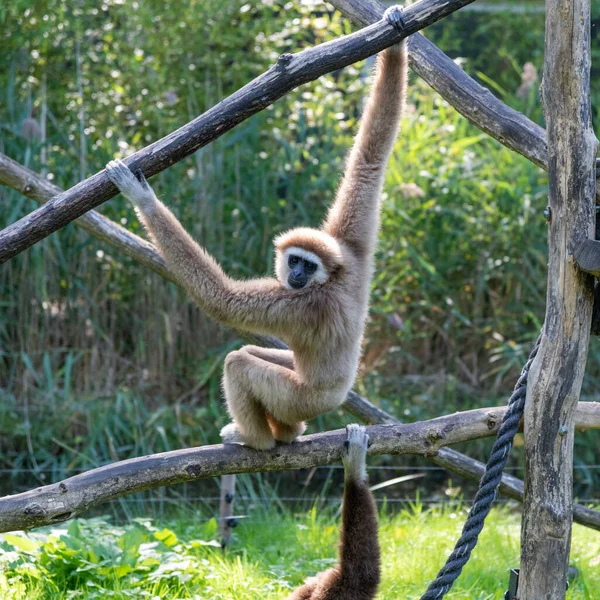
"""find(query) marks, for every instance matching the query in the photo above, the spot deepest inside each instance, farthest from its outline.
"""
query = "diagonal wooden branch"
(40, 189)
(475, 102)
(290, 71)
(66, 499)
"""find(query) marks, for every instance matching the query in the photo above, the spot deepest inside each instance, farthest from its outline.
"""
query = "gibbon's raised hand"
(357, 574)
(319, 299)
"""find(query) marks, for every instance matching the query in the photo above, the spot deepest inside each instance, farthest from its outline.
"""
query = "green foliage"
(96, 559)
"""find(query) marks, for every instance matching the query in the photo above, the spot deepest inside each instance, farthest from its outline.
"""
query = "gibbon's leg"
(263, 394)
(358, 572)
(250, 425)
(284, 358)
(282, 432)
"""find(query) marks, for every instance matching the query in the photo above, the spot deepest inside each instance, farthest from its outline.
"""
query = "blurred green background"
(102, 360)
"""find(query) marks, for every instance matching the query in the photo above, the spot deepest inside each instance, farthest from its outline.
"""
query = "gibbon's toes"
(230, 434)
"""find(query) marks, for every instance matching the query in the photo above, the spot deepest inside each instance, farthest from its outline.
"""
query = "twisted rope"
(488, 486)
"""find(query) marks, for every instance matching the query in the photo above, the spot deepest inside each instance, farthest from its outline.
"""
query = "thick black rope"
(488, 486)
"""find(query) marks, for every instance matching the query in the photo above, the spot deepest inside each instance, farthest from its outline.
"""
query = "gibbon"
(319, 299)
(357, 575)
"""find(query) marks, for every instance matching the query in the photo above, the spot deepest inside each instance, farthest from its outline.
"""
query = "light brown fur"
(271, 393)
(357, 575)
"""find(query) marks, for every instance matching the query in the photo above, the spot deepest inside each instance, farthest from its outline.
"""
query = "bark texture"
(557, 373)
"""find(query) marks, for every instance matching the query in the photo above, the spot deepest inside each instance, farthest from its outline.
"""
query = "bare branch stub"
(283, 77)
(556, 375)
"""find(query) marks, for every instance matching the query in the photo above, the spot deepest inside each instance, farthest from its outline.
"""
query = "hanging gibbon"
(318, 300)
(357, 574)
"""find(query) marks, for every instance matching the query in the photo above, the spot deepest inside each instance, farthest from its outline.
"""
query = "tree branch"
(475, 102)
(38, 188)
(290, 71)
(64, 500)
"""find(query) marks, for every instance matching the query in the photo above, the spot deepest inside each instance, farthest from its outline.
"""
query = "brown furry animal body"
(357, 575)
(318, 302)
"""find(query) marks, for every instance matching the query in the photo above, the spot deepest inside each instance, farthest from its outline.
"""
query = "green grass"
(272, 553)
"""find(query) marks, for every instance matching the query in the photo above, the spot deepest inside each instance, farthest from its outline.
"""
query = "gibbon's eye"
(309, 267)
(293, 260)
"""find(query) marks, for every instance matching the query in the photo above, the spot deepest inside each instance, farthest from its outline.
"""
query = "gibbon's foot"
(135, 189)
(286, 433)
(230, 434)
(355, 453)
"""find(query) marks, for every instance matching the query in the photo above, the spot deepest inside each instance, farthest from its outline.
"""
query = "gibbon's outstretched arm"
(259, 305)
(354, 216)
(357, 575)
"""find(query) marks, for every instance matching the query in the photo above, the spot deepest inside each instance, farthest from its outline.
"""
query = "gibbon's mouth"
(297, 284)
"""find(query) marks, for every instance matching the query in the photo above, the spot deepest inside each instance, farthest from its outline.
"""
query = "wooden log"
(557, 373)
(290, 71)
(34, 186)
(475, 102)
(61, 501)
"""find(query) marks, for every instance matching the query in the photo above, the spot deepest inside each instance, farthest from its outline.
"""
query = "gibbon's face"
(298, 268)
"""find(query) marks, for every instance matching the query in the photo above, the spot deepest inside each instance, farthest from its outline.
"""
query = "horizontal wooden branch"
(290, 71)
(475, 102)
(61, 501)
(38, 188)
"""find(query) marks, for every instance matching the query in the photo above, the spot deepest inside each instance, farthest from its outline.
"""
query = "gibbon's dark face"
(300, 271)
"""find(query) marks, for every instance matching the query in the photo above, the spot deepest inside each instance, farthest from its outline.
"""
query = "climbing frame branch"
(64, 500)
(557, 373)
(290, 71)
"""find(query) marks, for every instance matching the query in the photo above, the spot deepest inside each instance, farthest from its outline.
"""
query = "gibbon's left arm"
(358, 573)
(354, 216)
(257, 305)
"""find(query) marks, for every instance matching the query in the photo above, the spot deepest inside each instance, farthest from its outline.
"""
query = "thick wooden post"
(556, 375)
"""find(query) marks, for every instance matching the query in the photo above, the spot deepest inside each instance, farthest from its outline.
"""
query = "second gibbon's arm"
(354, 216)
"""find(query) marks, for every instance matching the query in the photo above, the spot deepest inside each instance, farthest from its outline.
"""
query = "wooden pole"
(557, 373)
(226, 519)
